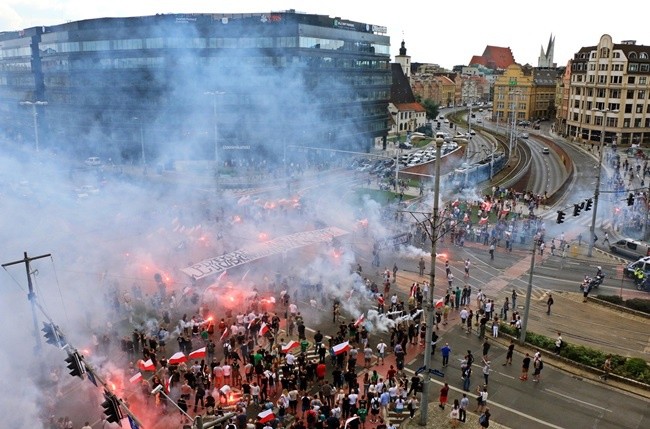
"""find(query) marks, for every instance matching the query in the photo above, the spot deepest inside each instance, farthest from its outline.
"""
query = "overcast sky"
(445, 33)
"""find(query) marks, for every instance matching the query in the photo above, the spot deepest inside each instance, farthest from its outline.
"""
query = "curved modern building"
(196, 86)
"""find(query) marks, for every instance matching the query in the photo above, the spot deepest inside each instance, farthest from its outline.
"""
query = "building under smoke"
(184, 86)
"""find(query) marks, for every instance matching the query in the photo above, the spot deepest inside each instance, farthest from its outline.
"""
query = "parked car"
(405, 145)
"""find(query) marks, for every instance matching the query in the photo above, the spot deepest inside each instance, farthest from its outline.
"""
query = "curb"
(560, 362)
(619, 307)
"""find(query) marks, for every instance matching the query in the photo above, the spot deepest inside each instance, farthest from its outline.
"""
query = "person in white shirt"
(381, 350)
(290, 359)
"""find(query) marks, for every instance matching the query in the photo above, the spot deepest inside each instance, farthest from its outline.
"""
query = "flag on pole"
(168, 384)
(146, 366)
(198, 353)
(177, 358)
(359, 321)
(290, 345)
(349, 420)
(224, 334)
(264, 328)
(136, 377)
(266, 416)
(341, 348)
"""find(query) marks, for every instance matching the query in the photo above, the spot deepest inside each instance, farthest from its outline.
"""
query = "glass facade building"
(193, 84)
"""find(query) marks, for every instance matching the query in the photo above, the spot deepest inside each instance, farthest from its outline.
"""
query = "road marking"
(506, 375)
(496, 404)
(571, 398)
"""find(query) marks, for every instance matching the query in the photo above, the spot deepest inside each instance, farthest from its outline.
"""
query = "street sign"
(420, 370)
(436, 372)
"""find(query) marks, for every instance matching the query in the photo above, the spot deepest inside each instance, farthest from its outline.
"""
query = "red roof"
(494, 57)
(417, 107)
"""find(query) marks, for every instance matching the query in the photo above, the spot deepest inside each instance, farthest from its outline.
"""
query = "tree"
(431, 107)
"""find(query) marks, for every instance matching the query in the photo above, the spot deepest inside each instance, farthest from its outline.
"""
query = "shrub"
(635, 367)
(614, 299)
(638, 304)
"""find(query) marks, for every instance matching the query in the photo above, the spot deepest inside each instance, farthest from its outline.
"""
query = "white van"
(630, 248)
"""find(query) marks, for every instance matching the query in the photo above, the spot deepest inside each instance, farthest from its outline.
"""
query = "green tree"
(431, 107)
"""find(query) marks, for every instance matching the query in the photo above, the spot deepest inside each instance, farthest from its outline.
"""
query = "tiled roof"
(400, 90)
(416, 107)
(494, 57)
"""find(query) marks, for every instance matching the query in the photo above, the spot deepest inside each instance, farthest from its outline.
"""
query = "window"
(601, 92)
(642, 80)
(617, 80)
(630, 80)
(604, 52)
(614, 93)
(643, 56)
(640, 95)
(603, 67)
(639, 108)
(630, 94)
(644, 67)
(602, 78)
(628, 108)
(632, 67)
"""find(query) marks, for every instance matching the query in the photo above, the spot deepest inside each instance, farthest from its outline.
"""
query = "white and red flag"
(264, 328)
(178, 357)
(198, 353)
(224, 334)
(266, 416)
(359, 321)
(136, 377)
(341, 348)
(290, 345)
(146, 366)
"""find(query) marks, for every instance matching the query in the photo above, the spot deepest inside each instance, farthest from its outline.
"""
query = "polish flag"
(264, 328)
(359, 320)
(177, 358)
(290, 345)
(146, 366)
(351, 419)
(341, 348)
(483, 221)
(224, 334)
(137, 377)
(440, 303)
(198, 354)
(251, 323)
(265, 416)
(168, 384)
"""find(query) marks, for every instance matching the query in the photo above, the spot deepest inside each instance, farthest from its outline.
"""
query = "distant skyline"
(447, 34)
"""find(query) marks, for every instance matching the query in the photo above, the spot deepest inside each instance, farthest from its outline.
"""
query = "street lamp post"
(430, 305)
(34, 104)
(592, 229)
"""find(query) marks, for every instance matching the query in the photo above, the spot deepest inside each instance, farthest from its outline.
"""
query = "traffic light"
(53, 335)
(560, 216)
(589, 204)
(75, 365)
(112, 408)
(576, 209)
(630, 199)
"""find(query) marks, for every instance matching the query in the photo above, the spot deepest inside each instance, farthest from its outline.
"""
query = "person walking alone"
(549, 303)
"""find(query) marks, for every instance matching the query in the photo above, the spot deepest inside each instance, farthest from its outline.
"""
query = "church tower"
(545, 59)
(404, 60)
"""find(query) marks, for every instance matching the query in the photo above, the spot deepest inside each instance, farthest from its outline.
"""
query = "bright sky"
(444, 33)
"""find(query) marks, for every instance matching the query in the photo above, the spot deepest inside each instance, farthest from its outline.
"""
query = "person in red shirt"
(390, 375)
(321, 369)
(444, 392)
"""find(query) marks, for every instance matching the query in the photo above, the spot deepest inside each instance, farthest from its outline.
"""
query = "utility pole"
(529, 292)
(430, 305)
(31, 295)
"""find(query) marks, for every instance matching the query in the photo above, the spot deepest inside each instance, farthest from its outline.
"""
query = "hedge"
(633, 368)
(638, 304)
